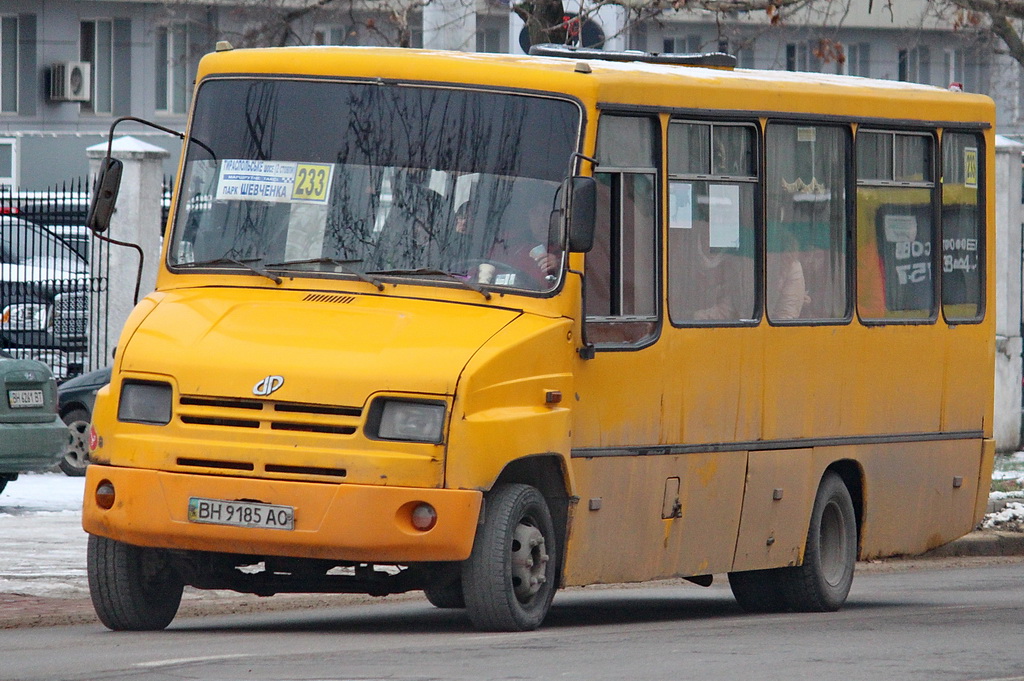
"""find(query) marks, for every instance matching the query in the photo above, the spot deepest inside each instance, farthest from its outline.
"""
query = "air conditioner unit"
(70, 81)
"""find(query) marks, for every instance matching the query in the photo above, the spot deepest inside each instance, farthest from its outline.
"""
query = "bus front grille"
(222, 412)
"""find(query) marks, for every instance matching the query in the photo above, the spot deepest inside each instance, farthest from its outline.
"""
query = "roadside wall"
(1007, 423)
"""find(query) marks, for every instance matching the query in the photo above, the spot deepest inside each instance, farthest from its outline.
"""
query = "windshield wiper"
(245, 263)
(342, 265)
(429, 272)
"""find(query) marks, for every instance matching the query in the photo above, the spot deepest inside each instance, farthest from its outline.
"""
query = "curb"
(982, 543)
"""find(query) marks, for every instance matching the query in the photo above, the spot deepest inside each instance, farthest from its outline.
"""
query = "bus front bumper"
(360, 523)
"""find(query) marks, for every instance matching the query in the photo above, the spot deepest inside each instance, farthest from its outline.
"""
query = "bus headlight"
(406, 420)
(145, 402)
(24, 317)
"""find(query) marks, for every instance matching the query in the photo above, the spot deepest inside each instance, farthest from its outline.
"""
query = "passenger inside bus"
(530, 252)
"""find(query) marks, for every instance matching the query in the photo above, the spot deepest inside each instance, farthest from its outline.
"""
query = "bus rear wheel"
(823, 582)
(132, 587)
(510, 577)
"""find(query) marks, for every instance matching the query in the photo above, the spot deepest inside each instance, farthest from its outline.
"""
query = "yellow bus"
(486, 326)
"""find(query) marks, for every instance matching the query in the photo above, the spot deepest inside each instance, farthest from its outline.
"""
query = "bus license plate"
(241, 514)
(20, 399)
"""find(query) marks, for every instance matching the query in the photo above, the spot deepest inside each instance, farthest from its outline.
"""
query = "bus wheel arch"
(852, 475)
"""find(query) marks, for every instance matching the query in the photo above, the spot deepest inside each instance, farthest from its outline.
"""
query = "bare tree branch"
(1013, 9)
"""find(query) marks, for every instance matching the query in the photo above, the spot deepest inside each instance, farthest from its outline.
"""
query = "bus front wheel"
(510, 577)
(822, 582)
(132, 588)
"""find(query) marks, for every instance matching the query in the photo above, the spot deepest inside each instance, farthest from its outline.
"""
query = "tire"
(132, 588)
(76, 453)
(760, 590)
(510, 577)
(823, 582)
(3, 484)
(448, 596)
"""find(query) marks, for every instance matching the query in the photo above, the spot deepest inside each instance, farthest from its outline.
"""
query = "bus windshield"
(375, 180)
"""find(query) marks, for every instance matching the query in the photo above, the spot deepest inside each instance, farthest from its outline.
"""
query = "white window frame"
(102, 86)
(173, 72)
(9, 183)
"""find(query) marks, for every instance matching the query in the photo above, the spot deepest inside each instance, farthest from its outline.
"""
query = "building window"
(965, 67)
(97, 48)
(798, 57)
(172, 91)
(858, 59)
(9, 65)
(915, 65)
(689, 44)
(488, 40)
(8, 163)
(337, 35)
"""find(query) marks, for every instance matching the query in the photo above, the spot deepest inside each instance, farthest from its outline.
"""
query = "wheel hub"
(529, 561)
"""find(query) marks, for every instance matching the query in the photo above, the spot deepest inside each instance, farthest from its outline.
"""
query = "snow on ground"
(43, 541)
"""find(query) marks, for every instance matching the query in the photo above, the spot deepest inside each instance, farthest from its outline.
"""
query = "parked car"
(75, 398)
(44, 298)
(32, 435)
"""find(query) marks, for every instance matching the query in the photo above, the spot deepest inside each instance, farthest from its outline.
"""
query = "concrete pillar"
(136, 220)
(1007, 281)
(450, 25)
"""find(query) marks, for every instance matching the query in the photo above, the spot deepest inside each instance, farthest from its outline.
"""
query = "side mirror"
(102, 206)
(582, 213)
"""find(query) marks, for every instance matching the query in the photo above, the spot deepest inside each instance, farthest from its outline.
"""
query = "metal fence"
(54, 277)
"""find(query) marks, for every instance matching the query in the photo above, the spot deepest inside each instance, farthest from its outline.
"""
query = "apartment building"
(69, 69)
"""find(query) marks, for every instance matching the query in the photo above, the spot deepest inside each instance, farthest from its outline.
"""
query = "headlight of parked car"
(145, 402)
(406, 420)
(25, 317)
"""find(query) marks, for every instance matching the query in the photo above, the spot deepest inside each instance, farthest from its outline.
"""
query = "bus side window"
(712, 222)
(895, 226)
(806, 231)
(963, 276)
(622, 268)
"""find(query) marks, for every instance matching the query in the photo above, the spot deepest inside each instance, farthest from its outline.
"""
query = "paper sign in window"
(680, 205)
(724, 215)
(970, 166)
(900, 228)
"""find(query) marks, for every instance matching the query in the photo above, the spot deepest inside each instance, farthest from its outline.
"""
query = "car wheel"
(76, 453)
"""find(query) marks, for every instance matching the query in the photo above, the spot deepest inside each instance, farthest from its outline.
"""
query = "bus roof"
(621, 83)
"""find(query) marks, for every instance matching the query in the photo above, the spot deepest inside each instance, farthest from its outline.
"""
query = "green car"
(32, 435)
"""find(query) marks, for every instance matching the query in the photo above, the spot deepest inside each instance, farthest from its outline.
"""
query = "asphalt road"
(904, 621)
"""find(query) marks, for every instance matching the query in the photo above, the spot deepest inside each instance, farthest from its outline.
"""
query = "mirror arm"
(586, 349)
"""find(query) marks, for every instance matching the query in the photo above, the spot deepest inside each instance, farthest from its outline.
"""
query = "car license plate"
(20, 399)
(241, 514)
